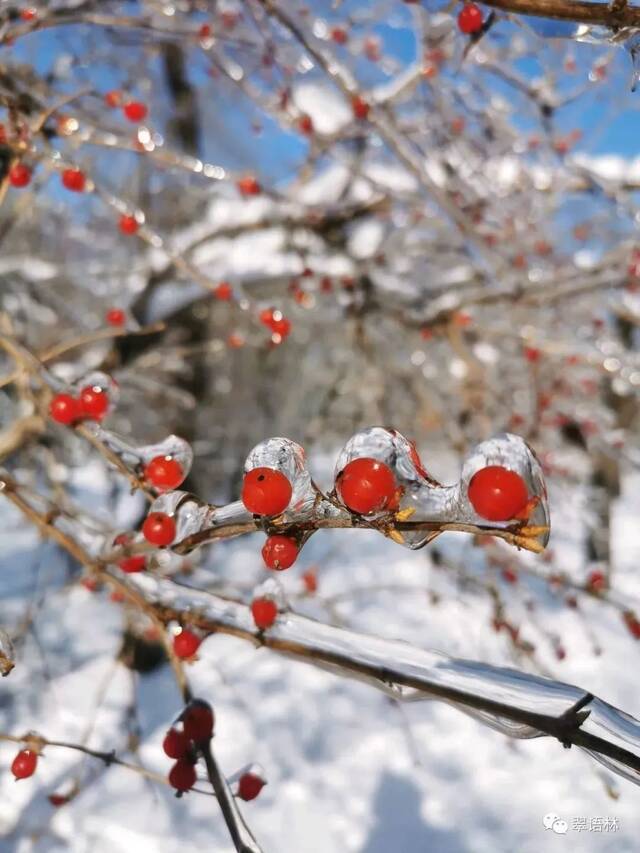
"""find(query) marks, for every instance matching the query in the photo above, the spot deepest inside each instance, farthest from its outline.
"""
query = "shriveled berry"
(159, 529)
(264, 612)
(186, 643)
(24, 764)
(249, 786)
(366, 485)
(266, 491)
(115, 317)
(280, 552)
(64, 409)
(94, 402)
(74, 180)
(182, 775)
(470, 19)
(135, 111)
(198, 720)
(164, 472)
(175, 744)
(497, 494)
(19, 175)
(128, 224)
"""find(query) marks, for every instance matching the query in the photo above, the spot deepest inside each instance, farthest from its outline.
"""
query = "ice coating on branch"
(423, 499)
(289, 458)
(190, 514)
(136, 456)
(494, 695)
(7, 658)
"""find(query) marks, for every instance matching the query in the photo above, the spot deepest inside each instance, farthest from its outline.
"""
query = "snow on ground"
(349, 770)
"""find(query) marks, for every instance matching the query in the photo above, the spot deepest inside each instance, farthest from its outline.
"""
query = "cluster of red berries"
(184, 744)
(24, 764)
(134, 111)
(274, 320)
(92, 403)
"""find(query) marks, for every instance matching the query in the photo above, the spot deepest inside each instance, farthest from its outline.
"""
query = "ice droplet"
(428, 500)
(289, 458)
(190, 514)
(137, 456)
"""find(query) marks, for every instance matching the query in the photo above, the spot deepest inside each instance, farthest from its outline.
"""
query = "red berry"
(24, 764)
(205, 31)
(360, 107)
(366, 485)
(280, 552)
(339, 35)
(131, 565)
(597, 581)
(135, 111)
(266, 316)
(29, 14)
(305, 125)
(470, 19)
(175, 744)
(57, 800)
(186, 643)
(159, 529)
(19, 175)
(249, 185)
(265, 491)
(497, 494)
(197, 721)
(264, 612)
(532, 354)
(281, 327)
(113, 98)
(73, 180)
(164, 473)
(182, 776)
(223, 291)
(310, 580)
(94, 402)
(115, 317)
(64, 409)
(128, 224)
(249, 786)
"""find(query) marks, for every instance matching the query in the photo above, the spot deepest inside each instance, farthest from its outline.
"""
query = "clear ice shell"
(190, 515)
(289, 458)
(134, 456)
(98, 379)
(432, 502)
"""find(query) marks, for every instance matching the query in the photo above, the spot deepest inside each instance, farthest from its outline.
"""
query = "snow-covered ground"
(348, 769)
